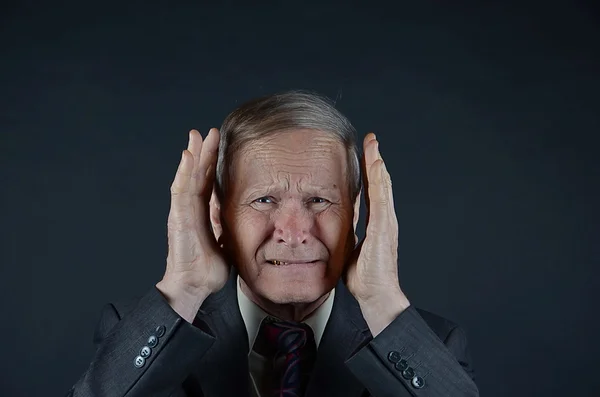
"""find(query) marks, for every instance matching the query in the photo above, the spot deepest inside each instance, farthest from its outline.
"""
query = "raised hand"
(372, 274)
(195, 266)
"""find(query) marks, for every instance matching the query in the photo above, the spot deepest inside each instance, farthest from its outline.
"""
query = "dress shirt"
(253, 315)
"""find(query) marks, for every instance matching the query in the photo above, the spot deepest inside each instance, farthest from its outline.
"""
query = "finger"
(368, 138)
(186, 167)
(382, 211)
(205, 178)
(195, 144)
(393, 220)
(366, 163)
(183, 184)
(180, 188)
(207, 165)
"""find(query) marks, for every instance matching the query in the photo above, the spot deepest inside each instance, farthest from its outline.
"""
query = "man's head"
(287, 189)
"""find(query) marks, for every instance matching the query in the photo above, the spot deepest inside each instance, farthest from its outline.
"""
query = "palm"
(373, 263)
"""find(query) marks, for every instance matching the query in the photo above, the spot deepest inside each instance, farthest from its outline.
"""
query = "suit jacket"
(209, 358)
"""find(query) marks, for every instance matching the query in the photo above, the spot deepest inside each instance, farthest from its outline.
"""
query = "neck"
(296, 312)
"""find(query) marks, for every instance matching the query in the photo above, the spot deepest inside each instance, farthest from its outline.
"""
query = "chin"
(280, 289)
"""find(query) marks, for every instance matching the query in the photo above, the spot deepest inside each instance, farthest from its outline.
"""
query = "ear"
(356, 215)
(215, 215)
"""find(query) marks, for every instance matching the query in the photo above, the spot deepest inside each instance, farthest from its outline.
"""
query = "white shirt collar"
(253, 315)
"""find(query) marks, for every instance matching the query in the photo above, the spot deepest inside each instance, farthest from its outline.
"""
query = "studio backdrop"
(487, 117)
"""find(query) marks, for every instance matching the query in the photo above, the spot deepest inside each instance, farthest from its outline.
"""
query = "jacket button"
(408, 373)
(139, 361)
(401, 365)
(152, 341)
(145, 352)
(394, 357)
(418, 382)
(160, 331)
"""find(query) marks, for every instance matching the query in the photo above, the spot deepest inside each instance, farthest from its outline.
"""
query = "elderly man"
(266, 291)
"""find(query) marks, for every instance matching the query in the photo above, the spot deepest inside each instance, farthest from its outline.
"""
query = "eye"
(317, 200)
(264, 200)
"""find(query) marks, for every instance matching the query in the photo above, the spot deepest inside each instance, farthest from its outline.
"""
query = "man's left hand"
(372, 273)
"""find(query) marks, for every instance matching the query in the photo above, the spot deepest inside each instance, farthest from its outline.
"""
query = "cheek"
(333, 228)
(250, 228)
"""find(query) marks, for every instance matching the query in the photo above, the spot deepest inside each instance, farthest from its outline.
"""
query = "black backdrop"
(487, 114)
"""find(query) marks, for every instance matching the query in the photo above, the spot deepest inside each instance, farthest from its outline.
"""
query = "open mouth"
(277, 263)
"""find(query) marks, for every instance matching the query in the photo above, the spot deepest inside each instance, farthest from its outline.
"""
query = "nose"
(293, 225)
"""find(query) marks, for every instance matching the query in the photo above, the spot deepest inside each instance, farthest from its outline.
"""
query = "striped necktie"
(291, 347)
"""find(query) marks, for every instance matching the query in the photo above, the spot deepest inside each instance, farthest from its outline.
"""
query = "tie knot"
(291, 350)
(285, 337)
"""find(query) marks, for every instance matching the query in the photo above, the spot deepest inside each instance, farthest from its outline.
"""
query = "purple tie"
(293, 351)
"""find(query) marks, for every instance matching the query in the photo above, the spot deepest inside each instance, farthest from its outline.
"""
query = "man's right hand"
(195, 265)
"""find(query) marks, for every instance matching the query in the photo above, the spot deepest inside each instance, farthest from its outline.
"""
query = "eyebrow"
(272, 188)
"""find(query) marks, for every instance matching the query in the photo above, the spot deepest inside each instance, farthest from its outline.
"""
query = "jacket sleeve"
(408, 359)
(149, 352)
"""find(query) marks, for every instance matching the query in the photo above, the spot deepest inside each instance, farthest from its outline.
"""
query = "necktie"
(293, 350)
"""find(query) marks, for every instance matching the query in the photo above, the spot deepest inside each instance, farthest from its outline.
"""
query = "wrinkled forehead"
(303, 159)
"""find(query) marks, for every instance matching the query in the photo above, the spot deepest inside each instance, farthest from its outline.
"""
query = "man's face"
(289, 201)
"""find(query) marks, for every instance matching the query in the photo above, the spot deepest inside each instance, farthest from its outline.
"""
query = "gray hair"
(265, 116)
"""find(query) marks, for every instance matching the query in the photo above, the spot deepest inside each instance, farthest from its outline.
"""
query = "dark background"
(487, 114)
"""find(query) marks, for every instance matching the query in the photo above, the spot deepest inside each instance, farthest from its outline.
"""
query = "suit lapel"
(224, 367)
(226, 362)
(346, 332)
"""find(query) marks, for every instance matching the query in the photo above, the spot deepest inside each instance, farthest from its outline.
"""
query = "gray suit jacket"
(209, 358)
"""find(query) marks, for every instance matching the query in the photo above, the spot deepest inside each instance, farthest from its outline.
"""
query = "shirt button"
(160, 331)
(145, 352)
(418, 382)
(152, 341)
(394, 357)
(139, 361)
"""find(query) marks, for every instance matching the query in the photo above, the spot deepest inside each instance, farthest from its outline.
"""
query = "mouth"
(279, 262)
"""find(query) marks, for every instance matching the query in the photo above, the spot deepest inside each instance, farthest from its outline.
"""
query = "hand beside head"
(279, 185)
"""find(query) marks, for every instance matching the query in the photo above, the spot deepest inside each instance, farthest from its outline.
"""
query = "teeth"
(277, 263)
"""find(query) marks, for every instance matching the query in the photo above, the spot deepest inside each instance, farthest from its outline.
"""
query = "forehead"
(304, 157)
